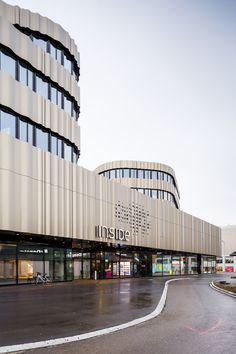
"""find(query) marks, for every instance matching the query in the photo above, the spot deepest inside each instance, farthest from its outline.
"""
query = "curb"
(226, 292)
(58, 341)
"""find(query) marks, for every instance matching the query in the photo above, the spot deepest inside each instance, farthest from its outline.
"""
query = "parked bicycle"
(43, 279)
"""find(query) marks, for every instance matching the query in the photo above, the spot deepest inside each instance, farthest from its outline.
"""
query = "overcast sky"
(158, 83)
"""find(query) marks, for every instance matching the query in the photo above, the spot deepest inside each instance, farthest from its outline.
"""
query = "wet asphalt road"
(196, 320)
(38, 312)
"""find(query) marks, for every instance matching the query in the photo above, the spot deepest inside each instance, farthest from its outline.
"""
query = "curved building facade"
(155, 180)
(57, 217)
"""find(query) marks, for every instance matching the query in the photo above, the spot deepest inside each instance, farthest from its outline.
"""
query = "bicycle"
(44, 279)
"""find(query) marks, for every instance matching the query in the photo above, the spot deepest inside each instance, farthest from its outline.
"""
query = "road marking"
(64, 340)
(200, 332)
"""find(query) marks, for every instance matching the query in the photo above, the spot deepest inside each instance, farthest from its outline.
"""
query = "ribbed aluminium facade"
(153, 179)
(59, 218)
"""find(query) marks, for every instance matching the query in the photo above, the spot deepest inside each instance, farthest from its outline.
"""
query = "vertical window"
(67, 152)
(112, 174)
(23, 75)
(154, 193)
(8, 64)
(42, 139)
(53, 144)
(8, 123)
(30, 79)
(75, 156)
(30, 137)
(126, 173)
(41, 43)
(53, 94)
(140, 174)
(59, 147)
(59, 99)
(23, 130)
(154, 175)
(53, 51)
(59, 55)
(41, 87)
(67, 63)
(67, 105)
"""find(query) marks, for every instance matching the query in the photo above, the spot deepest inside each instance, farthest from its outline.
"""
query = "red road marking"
(200, 332)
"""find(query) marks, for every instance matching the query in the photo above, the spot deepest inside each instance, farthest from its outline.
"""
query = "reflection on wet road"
(196, 320)
(37, 312)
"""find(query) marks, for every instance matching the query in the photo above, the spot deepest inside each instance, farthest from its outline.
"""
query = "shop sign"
(33, 250)
(76, 255)
(111, 233)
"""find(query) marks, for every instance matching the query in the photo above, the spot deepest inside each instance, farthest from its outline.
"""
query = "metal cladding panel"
(141, 182)
(23, 47)
(36, 22)
(43, 194)
(27, 103)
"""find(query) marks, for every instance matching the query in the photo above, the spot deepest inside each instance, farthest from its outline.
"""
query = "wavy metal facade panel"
(42, 194)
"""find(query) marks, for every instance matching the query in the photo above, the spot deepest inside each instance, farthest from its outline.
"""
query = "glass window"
(59, 55)
(40, 42)
(133, 173)
(154, 175)
(8, 123)
(30, 133)
(53, 51)
(41, 139)
(67, 152)
(67, 105)
(126, 172)
(59, 147)
(41, 87)
(8, 64)
(54, 145)
(22, 130)
(112, 174)
(67, 63)
(23, 75)
(75, 157)
(140, 174)
(30, 79)
(53, 94)
(154, 193)
(59, 99)
(7, 263)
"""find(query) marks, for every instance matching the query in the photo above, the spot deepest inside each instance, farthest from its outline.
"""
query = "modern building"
(57, 217)
(227, 262)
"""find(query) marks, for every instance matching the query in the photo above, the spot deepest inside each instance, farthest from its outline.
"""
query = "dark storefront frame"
(21, 257)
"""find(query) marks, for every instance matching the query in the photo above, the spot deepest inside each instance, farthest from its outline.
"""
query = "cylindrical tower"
(39, 73)
(155, 180)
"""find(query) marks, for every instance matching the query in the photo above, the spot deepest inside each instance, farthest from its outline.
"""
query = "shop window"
(157, 265)
(7, 263)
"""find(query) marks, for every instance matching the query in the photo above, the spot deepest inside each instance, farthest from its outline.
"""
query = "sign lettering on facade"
(111, 233)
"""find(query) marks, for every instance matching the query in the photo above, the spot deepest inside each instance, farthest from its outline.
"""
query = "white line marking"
(226, 292)
(52, 342)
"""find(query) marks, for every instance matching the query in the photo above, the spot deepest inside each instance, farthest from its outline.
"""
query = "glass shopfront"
(7, 263)
(208, 264)
(21, 262)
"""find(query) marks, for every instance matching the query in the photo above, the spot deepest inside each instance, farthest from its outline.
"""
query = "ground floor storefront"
(23, 257)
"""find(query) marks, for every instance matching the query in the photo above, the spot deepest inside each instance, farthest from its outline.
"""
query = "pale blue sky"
(158, 83)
